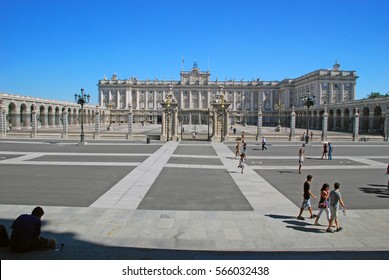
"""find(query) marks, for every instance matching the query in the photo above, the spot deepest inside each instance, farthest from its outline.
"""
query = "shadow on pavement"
(76, 249)
(380, 190)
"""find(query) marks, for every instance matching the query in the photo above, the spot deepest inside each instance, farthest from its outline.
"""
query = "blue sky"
(52, 48)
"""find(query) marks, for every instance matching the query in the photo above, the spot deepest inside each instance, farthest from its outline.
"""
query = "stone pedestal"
(259, 124)
(356, 125)
(130, 123)
(97, 124)
(34, 125)
(65, 124)
(3, 120)
(292, 134)
(325, 126)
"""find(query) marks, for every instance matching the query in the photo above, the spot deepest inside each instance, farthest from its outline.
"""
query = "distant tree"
(376, 95)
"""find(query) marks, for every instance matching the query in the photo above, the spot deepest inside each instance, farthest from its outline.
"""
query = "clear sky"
(51, 48)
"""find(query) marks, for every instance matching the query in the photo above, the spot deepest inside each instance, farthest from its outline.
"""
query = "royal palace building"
(195, 96)
(195, 91)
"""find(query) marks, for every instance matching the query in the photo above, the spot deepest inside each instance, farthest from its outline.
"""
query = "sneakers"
(300, 218)
(329, 230)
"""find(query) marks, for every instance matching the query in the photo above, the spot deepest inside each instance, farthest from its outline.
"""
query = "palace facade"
(334, 91)
(195, 92)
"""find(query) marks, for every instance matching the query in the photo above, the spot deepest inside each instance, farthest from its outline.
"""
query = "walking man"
(264, 143)
(335, 200)
(307, 198)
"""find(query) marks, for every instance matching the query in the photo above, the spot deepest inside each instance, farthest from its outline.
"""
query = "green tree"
(376, 95)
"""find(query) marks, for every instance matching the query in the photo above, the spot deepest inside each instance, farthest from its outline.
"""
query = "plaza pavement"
(188, 200)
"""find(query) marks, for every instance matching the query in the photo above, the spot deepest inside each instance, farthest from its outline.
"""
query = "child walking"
(242, 162)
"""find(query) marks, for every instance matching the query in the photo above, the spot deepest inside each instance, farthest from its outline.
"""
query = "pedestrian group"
(329, 202)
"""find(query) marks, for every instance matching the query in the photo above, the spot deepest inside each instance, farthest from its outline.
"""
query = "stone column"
(65, 124)
(175, 124)
(330, 97)
(43, 118)
(341, 93)
(15, 118)
(137, 100)
(226, 124)
(190, 101)
(324, 125)
(163, 132)
(352, 91)
(26, 118)
(356, 125)
(214, 128)
(97, 124)
(118, 99)
(3, 120)
(259, 124)
(292, 135)
(130, 123)
(234, 101)
(34, 125)
(101, 99)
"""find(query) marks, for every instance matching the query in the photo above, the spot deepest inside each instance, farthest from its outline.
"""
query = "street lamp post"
(82, 99)
(221, 117)
(308, 100)
(209, 138)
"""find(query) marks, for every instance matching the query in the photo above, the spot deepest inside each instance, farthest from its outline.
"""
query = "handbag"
(322, 205)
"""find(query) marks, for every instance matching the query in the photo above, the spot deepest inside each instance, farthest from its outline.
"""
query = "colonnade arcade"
(19, 109)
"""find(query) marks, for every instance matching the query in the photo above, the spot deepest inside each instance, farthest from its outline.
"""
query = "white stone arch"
(24, 114)
(75, 116)
(13, 115)
(42, 115)
(58, 116)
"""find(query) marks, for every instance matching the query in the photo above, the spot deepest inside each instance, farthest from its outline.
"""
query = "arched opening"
(24, 116)
(365, 120)
(378, 121)
(347, 121)
(338, 121)
(12, 116)
(331, 120)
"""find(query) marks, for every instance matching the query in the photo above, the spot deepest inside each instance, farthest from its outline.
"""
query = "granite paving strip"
(257, 190)
(129, 192)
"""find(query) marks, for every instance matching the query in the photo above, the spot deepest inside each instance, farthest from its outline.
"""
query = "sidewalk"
(115, 228)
